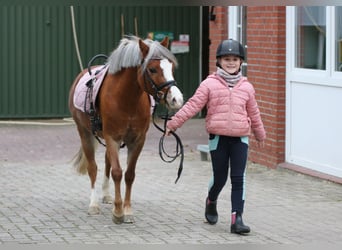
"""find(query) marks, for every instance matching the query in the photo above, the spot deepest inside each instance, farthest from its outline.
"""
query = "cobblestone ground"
(44, 201)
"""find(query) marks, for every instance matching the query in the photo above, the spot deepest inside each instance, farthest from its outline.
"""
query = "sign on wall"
(159, 35)
(182, 45)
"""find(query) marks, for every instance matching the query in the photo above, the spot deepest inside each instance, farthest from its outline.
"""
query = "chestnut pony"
(137, 69)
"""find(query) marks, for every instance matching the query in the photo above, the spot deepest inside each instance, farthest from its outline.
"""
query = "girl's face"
(230, 63)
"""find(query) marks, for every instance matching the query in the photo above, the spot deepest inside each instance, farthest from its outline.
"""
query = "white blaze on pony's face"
(174, 96)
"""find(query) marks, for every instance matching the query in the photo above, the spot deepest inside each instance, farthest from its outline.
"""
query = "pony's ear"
(143, 48)
(165, 42)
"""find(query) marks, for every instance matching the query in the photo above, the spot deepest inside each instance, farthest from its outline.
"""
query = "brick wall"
(218, 31)
(266, 40)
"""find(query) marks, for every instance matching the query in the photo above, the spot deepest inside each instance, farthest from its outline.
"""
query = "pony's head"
(156, 66)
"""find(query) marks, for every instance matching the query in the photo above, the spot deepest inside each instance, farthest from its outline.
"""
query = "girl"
(232, 114)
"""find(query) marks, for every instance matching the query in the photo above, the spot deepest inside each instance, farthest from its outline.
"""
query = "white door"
(314, 88)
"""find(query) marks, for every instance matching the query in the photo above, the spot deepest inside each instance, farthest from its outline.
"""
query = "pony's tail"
(80, 162)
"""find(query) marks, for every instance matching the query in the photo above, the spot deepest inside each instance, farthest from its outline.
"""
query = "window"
(237, 29)
(338, 29)
(314, 44)
(311, 37)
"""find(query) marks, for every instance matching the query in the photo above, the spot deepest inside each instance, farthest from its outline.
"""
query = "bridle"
(158, 95)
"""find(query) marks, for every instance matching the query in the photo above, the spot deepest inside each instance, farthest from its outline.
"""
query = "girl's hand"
(168, 131)
(261, 144)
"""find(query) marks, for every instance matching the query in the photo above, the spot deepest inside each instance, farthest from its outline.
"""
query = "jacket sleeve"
(255, 117)
(194, 105)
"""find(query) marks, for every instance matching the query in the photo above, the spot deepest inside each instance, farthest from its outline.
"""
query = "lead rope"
(179, 146)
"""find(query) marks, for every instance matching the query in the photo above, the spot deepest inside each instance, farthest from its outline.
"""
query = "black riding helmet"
(230, 47)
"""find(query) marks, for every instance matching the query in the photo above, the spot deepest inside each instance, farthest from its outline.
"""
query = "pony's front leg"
(134, 151)
(129, 178)
(112, 154)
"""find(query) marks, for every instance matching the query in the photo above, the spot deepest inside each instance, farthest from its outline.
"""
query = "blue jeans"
(228, 152)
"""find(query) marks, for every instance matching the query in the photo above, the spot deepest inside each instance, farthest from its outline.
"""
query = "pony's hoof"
(107, 199)
(118, 220)
(93, 210)
(129, 219)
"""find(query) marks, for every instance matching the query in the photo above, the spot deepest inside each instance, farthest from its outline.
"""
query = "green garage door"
(38, 57)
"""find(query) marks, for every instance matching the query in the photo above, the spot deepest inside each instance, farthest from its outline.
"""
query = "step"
(204, 151)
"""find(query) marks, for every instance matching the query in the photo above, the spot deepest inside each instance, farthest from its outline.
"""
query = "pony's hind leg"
(107, 198)
(85, 162)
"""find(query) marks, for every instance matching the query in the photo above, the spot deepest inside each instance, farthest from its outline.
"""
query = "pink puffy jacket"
(230, 112)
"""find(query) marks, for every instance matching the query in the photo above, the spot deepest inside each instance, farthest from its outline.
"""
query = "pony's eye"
(152, 70)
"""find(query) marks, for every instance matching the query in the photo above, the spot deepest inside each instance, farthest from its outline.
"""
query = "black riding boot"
(237, 225)
(210, 211)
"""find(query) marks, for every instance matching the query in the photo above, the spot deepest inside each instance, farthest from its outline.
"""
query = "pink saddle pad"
(80, 101)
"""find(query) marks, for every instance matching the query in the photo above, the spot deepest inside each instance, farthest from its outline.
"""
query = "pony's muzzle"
(174, 98)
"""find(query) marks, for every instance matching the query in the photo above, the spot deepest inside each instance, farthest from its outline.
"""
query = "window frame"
(328, 76)
(334, 39)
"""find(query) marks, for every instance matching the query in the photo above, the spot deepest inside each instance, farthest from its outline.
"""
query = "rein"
(179, 146)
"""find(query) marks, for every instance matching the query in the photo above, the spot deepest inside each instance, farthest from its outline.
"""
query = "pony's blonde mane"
(128, 54)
